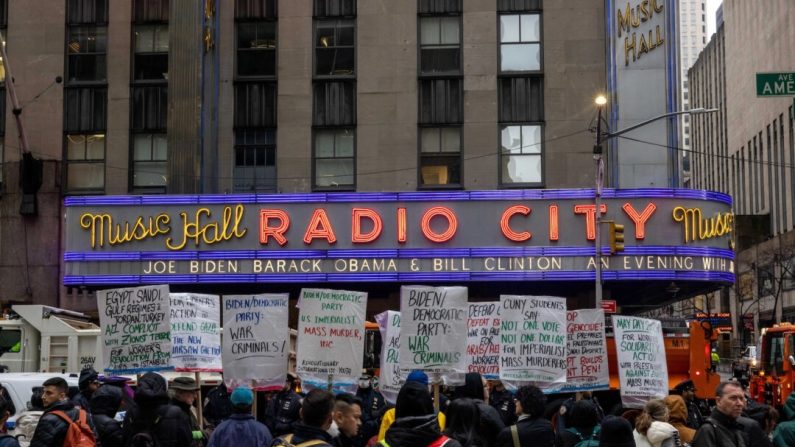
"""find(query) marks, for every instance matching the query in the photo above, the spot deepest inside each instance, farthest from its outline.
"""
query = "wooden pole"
(436, 401)
(254, 403)
(200, 410)
(331, 383)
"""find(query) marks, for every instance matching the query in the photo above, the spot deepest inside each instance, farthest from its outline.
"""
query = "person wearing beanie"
(531, 429)
(88, 382)
(616, 432)
(652, 428)
(241, 429)
(722, 428)
(415, 424)
(415, 376)
(678, 417)
(490, 420)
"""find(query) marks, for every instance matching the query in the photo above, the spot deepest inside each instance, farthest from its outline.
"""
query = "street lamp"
(601, 102)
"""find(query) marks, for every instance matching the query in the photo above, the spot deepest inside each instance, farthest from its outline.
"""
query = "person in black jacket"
(722, 428)
(583, 423)
(531, 428)
(463, 422)
(316, 417)
(153, 416)
(105, 404)
(51, 429)
(490, 420)
(373, 405)
(501, 399)
(415, 422)
(283, 410)
(217, 406)
(88, 383)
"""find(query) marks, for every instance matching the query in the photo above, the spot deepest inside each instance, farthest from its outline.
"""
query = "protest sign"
(642, 367)
(533, 338)
(483, 339)
(330, 337)
(256, 340)
(136, 329)
(195, 336)
(433, 330)
(390, 379)
(586, 352)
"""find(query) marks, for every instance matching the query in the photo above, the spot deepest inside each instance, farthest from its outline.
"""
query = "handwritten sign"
(533, 338)
(330, 337)
(433, 329)
(195, 336)
(136, 329)
(483, 339)
(390, 379)
(256, 340)
(586, 352)
(642, 368)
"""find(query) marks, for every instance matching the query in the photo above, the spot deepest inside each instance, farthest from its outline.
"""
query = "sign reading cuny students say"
(391, 378)
(330, 336)
(195, 336)
(642, 366)
(136, 329)
(433, 329)
(483, 339)
(586, 351)
(533, 338)
(255, 342)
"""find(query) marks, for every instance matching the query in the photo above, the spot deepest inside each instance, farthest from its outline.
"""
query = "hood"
(472, 387)
(413, 399)
(87, 376)
(106, 400)
(413, 431)
(677, 408)
(659, 432)
(789, 408)
(152, 390)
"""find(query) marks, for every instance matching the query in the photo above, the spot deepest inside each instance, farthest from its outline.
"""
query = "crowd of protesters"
(475, 414)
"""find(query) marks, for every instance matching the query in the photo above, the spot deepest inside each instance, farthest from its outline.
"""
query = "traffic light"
(616, 238)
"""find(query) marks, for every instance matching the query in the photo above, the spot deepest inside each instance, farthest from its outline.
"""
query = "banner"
(483, 339)
(256, 341)
(433, 331)
(195, 336)
(642, 368)
(390, 379)
(135, 329)
(330, 337)
(586, 352)
(533, 338)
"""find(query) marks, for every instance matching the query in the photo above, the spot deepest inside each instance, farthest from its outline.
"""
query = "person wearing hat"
(616, 432)
(284, 408)
(415, 376)
(687, 389)
(241, 429)
(373, 404)
(88, 382)
(502, 400)
(184, 390)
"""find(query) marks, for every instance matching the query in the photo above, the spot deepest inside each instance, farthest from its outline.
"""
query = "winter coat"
(104, 404)
(167, 423)
(194, 422)
(678, 418)
(416, 431)
(532, 432)
(502, 401)
(719, 431)
(51, 429)
(784, 435)
(660, 434)
(373, 404)
(282, 412)
(567, 438)
(217, 407)
(241, 430)
(303, 433)
(389, 418)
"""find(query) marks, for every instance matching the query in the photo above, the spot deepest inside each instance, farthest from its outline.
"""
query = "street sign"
(775, 84)
(609, 306)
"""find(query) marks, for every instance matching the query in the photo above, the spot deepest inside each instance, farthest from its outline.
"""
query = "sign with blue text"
(195, 332)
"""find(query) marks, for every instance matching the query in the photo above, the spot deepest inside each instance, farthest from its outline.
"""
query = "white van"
(20, 387)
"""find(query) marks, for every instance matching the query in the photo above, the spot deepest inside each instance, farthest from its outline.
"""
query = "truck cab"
(772, 384)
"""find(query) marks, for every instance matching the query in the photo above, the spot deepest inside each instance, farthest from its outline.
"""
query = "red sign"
(609, 306)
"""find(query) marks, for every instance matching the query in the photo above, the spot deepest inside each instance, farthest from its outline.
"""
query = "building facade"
(692, 39)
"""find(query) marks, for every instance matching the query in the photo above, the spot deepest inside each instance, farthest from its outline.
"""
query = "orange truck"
(772, 382)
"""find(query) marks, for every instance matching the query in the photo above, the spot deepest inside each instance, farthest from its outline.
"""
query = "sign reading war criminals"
(533, 338)
(256, 340)
(483, 339)
(136, 329)
(640, 352)
(195, 336)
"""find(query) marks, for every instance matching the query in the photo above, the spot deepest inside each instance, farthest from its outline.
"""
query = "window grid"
(520, 43)
(255, 160)
(521, 154)
(335, 48)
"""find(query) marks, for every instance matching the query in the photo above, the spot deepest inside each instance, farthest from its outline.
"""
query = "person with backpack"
(28, 420)
(583, 429)
(283, 410)
(105, 403)
(316, 417)
(241, 429)
(153, 421)
(416, 424)
(530, 429)
(62, 424)
(652, 428)
(6, 440)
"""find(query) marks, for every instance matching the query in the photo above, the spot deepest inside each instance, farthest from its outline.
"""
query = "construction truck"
(771, 383)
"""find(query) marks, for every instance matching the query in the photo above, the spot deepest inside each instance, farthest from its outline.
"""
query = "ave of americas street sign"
(775, 84)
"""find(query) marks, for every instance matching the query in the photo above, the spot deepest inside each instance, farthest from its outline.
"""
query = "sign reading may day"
(483, 339)
(195, 336)
(256, 340)
(136, 329)
(533, 338)
(640, 352)
(433, 330)
(586, 351)
(390, 379)
(330, 337)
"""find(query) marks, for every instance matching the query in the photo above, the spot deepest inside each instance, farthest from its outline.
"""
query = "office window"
(3, 28)
(439, 6)
(85, 161)
(255, 160)
(149, 108)
(87, 11)
(521, 99)
(335, 103)
(335, 47)
(256, 9)
(150, 160)
(440, 156)
(521, 155)
(256, 49)
(441, 101)
(440, 49)
(86, 49)
(334, 158)
(520, 42)
(335, 8)
(255, 104)
(151, 52)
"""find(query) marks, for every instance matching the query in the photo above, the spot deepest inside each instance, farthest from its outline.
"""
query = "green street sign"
(775, 84)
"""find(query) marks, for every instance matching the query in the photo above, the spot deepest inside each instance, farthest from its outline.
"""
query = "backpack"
(7, 440)
(78, 433)
(593, 441)
(286, 441)
(145, 437)
(441, 441)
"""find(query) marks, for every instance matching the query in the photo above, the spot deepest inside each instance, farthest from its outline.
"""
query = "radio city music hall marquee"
(510, 235)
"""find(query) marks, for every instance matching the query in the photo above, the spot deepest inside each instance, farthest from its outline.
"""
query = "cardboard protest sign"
(390, 379)
(256, 340)
(433, 330)
(642, 367)
(195, 336)
(136, 329)
(533, 338)
(586, 352)
(330, 337)
(483, 339)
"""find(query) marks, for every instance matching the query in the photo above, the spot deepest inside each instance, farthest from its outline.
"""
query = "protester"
(105, 403)
(153, 418)
(217, 406)
(241, 429)
(583, 425)
(88, 383)
(652, 428)
(373, 405)
(415, 424)
(567, 405)
(490, 420)
(616, 432)
(695, 418)
(26, 422)
(5, 413)
(722, 429)
(389, 415)
(501, 399)
(316, 418)
(530, 429)
(184, 390)
(463, 422)
(677, 410)
(348, 417)
(283, 410)
(784, 434)
(59, 414)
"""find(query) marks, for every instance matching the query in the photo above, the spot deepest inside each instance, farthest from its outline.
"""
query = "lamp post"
(601, 102)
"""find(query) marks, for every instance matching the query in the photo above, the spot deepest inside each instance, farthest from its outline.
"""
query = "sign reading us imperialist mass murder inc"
(642, 366)
(195, 332)
(136, 332)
